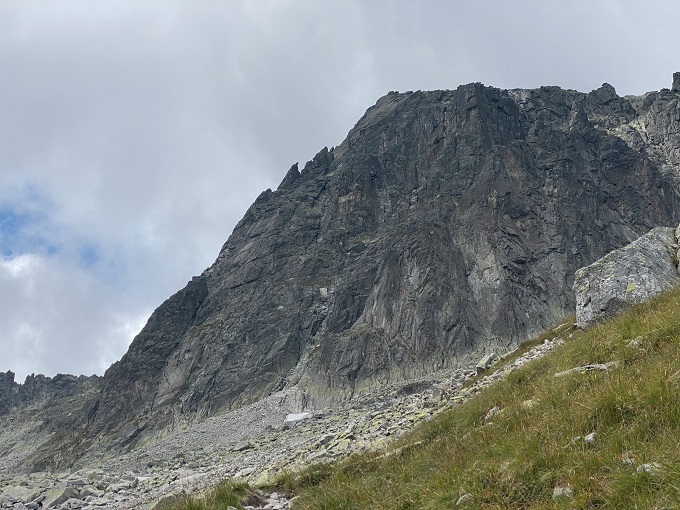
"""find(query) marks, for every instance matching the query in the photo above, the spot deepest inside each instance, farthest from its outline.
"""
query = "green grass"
(517, 460)
(225, 495)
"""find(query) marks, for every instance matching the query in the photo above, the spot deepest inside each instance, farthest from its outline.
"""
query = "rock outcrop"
(446, 226)
(629, 275)
(41, 391)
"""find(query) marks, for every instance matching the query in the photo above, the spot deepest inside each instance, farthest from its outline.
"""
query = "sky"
(135, 134)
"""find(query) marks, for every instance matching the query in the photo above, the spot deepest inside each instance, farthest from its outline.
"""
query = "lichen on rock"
(629, 275)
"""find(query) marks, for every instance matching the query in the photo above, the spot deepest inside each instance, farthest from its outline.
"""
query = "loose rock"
(563, 492)
(587, 368)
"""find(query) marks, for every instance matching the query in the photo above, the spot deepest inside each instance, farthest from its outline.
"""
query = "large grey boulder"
(632, 274)
(59, 495)
(19, 493)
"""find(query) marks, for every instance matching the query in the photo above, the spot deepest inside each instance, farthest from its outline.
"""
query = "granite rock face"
(629, 275)
(447, 225)
(40, 391)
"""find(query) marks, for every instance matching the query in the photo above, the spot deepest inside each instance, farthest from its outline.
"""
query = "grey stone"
(90, 491)
(73, 504)
(294, 418)
(492, 413)
(628, 458)
(590, 439)
(93, 474)
(485, 362)
(629, 275)
(676, 82)
(587, 368)
(242, 446)
(563, 492)
(78, 482)
(636, 343)
(58, 495)
(651, 468)
(464, 499)
(19, 493)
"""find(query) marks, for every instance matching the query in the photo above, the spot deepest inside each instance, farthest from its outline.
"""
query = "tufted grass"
(517, 460)
(527, 451)
(222, 497)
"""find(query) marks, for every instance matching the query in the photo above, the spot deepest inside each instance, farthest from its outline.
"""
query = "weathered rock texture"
(41, 391)
(629, 275)
(446, 225)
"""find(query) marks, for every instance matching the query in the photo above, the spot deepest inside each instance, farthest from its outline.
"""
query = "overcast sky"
(134, 135)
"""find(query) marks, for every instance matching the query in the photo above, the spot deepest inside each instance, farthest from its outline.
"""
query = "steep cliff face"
(447, 223)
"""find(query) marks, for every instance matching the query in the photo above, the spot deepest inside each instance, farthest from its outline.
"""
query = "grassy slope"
(517, 460)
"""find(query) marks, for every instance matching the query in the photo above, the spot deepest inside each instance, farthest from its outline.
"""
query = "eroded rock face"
(629, 275)
(447, 225)
(39, 391)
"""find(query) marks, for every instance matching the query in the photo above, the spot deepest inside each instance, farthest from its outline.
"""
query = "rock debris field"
(253, 443)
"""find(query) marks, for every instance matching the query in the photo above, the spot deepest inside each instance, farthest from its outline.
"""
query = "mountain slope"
(447, 224)
(590, 439)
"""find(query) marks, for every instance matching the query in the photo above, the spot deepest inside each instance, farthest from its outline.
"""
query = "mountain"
(446, 225)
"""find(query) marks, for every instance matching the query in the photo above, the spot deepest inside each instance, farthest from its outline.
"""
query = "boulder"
(19, 493)
(59, 495)
(651, 468)
(242, 446)
(629, 275)
(292, 419)
(485, 363)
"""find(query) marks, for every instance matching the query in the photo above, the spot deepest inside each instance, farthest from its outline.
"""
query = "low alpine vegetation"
(604, 436)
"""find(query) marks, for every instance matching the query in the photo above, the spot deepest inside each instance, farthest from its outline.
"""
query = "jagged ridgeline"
(446, 224)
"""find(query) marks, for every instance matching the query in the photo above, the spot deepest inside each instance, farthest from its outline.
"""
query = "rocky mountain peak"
(448, 224)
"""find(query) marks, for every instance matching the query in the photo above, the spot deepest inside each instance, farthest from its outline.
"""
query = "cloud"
(40, 299)
(134, 135)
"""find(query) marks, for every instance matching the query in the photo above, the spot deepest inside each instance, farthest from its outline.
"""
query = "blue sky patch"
(10, 228)
(89, 256)
(21, 233)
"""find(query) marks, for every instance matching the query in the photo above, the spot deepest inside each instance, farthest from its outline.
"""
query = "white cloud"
(134, 135)
(22, 266)
(55, 318)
